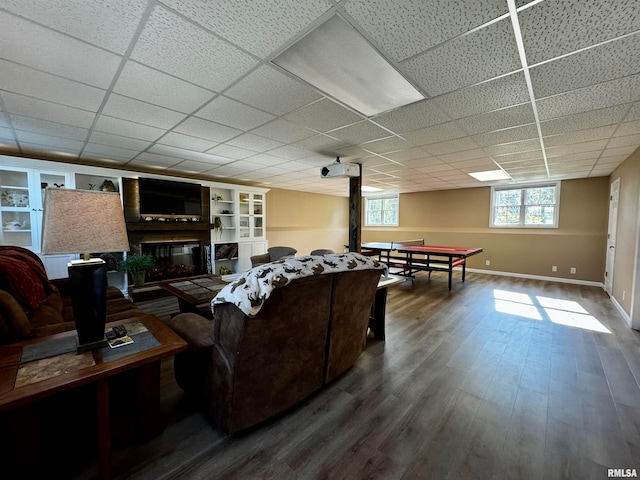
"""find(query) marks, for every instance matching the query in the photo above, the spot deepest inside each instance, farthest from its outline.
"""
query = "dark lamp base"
(86, 347)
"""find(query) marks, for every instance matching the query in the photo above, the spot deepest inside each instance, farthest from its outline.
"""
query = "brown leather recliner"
(246, 370)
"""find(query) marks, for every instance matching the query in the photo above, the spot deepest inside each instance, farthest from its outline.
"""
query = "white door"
(614, 195)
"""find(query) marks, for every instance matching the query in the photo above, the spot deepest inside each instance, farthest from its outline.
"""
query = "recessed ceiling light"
(365, 188)
(337, 60)
(490, 175)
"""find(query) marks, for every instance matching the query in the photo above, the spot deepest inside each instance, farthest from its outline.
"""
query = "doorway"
(614, 196)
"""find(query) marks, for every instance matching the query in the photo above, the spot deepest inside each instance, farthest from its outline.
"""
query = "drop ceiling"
(542, 90)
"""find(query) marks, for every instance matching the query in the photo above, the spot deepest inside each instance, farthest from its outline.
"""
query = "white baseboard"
(621, 311)
(538, 277)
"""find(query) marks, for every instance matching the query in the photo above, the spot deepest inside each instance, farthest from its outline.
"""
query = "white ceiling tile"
(254, 142)
(323, 115)
(272, 91)
(109, 139)
(141, 112)
(188, 142)
(614, 92)
(570, 25)
(153, 159)
(260, 26)
(584, 120)
(438, 133)
(37, 125)
(48, 140)
(626, 141)
(6, 134)
(634, 112)
(229, 151)
(407, 155)
(451, 146)
(126, 128)
(360, 132)
(233, 113)
(32, 107)
(143, 83)
(612, 152)
(628, 128)
(535, 154)
(508, 135)
(190, 166)
(188, 154)
(283, 131)
(608, 161)
(596, 65)
(32, 83)
(481, 55)
(514, 147)
(579, 136)
(290, 152)
(107, 23)
(207, 130)
(320, 143)
(464, 155)
(385, 145)
(265, 160)
(417, 25)
(412, 117)
(485, 97)
(177, 46)
(55, 53)
(94, 150)
(555, 157)
(498, 119)
(6, 143)
(592, 146)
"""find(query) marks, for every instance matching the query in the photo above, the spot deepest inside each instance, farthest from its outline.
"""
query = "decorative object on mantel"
(216, 198)
(225, 270)
(137, 265)
(107, 186)
(217, 228)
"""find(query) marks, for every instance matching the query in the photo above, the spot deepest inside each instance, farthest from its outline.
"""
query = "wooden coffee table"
(194, 293)
(32, 370)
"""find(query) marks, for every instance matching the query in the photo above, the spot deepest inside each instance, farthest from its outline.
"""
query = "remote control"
(110, 334)
(120, 331)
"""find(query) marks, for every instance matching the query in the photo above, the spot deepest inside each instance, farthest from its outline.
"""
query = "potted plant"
(137, 265)
(217, 227)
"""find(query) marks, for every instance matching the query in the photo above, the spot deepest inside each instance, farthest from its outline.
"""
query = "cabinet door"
(18, 210)
(251, 220)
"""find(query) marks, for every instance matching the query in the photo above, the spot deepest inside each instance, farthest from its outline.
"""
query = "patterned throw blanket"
(251, 290)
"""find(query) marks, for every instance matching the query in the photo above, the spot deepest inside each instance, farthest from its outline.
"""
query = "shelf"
(151, 226)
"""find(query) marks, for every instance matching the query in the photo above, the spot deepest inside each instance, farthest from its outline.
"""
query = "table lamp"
(85, 222)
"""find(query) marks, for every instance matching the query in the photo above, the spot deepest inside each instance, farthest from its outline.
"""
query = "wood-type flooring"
(499, 378)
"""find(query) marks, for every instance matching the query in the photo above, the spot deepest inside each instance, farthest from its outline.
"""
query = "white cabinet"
(246, 250)
(251, 216)
(21, 206)
(224, 236)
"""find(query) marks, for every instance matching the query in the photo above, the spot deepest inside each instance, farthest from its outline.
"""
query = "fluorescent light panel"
(490, 175)
(337, 60)
(365, 188)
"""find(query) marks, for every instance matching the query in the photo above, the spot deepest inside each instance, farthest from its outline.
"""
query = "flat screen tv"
(168, 197)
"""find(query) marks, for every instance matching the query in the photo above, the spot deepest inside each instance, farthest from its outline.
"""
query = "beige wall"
(307, 221)
(627, 234)
(461, 217)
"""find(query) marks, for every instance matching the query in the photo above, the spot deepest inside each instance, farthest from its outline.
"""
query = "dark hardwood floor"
(500, 377)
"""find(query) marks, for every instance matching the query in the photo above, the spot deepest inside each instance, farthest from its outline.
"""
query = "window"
(527, 206)
(381, 210)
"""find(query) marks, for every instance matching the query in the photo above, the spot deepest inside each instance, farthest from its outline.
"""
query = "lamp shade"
(82, 221)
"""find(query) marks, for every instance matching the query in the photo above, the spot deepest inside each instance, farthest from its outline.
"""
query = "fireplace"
(173, 259)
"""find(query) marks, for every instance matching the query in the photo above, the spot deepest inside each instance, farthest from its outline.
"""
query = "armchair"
(273, 254)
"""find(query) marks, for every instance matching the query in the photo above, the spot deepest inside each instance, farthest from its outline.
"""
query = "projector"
(340, 170)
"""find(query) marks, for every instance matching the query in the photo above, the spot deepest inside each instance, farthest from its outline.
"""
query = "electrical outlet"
(573, 270)
(554, 268)
(487, 262)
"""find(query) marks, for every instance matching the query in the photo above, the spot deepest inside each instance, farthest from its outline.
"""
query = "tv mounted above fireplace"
(168, 197)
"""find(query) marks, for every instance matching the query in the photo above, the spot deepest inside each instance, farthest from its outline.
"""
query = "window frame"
(522, 188)
(369, 198)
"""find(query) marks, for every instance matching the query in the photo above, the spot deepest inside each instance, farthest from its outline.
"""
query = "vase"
(138, 279)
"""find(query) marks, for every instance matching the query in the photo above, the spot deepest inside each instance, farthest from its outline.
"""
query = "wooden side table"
(379, 307)
(42, 367)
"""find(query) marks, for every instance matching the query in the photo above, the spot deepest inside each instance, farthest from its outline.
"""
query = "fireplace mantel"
(167, 226)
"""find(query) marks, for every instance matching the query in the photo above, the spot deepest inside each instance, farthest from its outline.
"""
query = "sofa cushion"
(250, 291)
(14, 323)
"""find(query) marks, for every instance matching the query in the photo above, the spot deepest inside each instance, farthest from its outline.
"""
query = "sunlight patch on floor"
(561, 312)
